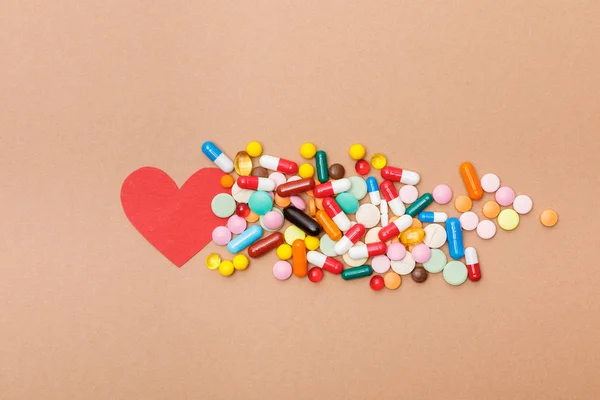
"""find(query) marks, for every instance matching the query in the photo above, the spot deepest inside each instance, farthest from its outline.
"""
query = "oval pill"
(455, 238)
(295, 187)
(265, 245)
(245, 239)
(302, 221)
(373, 189)
(471, 181)
(330, 228)
(322, 167)
(357, 272)
(242, 163)
(420, 204)
(215, 155)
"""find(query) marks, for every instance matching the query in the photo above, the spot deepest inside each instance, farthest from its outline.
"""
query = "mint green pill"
(436, 262)
(223, 205)
(455, 273)
(260, 202)
(357, 272)
(347, 202)
(326, 246)
(419, 205)
(359, 187)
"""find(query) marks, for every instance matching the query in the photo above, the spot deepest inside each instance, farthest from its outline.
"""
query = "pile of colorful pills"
(352, 226)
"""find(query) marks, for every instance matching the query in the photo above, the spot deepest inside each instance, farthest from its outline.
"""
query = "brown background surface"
(90, 91)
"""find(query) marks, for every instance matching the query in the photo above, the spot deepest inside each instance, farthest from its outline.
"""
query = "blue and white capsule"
(373, 189)
(217, 156)
(432, 216)
(456, 247)
(245, 239)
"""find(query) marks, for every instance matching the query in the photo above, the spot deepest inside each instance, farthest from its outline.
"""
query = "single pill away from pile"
(523, 204)
(215, 155)
(442, 194)
(295, 187)
(368, 250)
(378, 161)
(332, 188)
(282, 270)
(368, 215)
(508, 219)
(491, 209)
(490, 183)
(242, 163)
(254, 149)
(486, 229)
(333, 209)
(472, 262)
(373, 189)
(322, 167)
(357, 151)
(315, 274)
(471, 181)
(278, 164)
(408, 194)
(349, 239)
(336, 171)
(299, 262)
(393, 229)
(455, 238)
(357, 272)
(328, 225)
(245, 239)
(256, 183)
(549, 218)
(324, 262)
(392, 198)
(505, 196)
(302, 221)
(463, 203)
(432, 216)
(308, 150)
(420, 204)
(265, 245)
(395, 174)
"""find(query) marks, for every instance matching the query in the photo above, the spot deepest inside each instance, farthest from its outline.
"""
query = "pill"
(242, 163)
(282, 270)
(505, 196)
(322, 167)
(227, 181)
(223, 205)
(442, 194)
(333, 209)
(299, 262)
(472, 261)
(469, 221)
(455, 273)
(376, 283)
(392, 280)
(315, 274)
(298, 202)
(368, 250)
(421, 253)
(302, 221)
(385, 218)
(311, 242)
(278, 164)
(358, 187)
(306, 171)
(240, 262)
(368, 215)
(395, 228)
(226, 268)
(357, 151)
(328, 225)
(284, 251)
(395, 251)
(265, 245)
(420, 204)
(236, 224)
(463, 203)
(508, 219)
(254, 149)
(212, 261)
(260, 202)
(412, 236)
(437, 261)
(292, 233)
(295, 187)
(336, 171)
(260, 172)
(378, 161)
(408, 194)
(490, 183)
(400, 175)
(252, 217)
(347, 203)
(217, 156)
(416, 223)
(278, 178)
(373, 189)
(486, 229)
(432, 216)
(331, 188)
(392, 198)
(308, 150)
(362, 167)
(372, 235)
(549, 218)
(256, 183)
(471, 181)
(357, 272)
(419, 274)
(245, 239)
(523, 204)
(491, 209)
(456, 248)
(404, 266)
(351, 236)
(327, 263)
(221, 235)
(312, 207)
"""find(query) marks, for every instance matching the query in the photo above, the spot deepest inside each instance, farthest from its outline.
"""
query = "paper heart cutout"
(177, 221)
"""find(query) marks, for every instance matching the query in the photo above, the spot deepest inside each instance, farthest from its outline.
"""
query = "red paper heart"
(177, 221)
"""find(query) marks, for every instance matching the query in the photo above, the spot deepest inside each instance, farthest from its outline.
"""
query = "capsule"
(302, 221)
(393, 199)
(472, 262)
(295, 187)
(400, 175)
(420, 204)
(329, 264)
(349, 239)
(299, 264)
(256, 183)
(217, 156)
(368, 250)
(333, 187)
(332, 208)
(412, 236)
(471, 180)
(278, 164)
(322, 168)
(357, 272)
(265, 245)
(373, 189)
(245, 239)
(432, 216)
(456, 248)
(330, 228)
(395, 228)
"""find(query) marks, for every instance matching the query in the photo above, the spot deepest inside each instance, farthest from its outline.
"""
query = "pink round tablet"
(380, 264)
(408, 194)
(442, 194)
(236, 224)
(221, 235)
(486, 229)
(282, 270)
(273, 220)
(523, 204)
(396, 251)
(421, 253)
(469, 221)
(298, 202)
(505, 196)
(490, 183)
(278, 178)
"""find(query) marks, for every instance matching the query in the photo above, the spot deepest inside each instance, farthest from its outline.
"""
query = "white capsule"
(342, 246)
(375, 198)
(342, 221)
(341, 185)
(471, 256)
(397, 206)
(358, 252)
(315, 258)
(269, 162)
(409, 177)
(224, 163)
(403, 223)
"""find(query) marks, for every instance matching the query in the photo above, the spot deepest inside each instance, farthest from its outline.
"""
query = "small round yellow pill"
(508, 219)
(549, 218)
(312, 242)
(292, 233)
(212, 261)
(226, 268)
(284, 252)
(240, 262)
(378, 161)
(308, 150)
(463, 203)
(306, 171)
(357, 151)
(227, 181)
(254, 149)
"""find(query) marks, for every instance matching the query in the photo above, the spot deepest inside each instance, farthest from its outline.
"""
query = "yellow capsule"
(240, 262)
(242, 163)
(226, 268)
(212, 261)
(378, 161)
(412, 236)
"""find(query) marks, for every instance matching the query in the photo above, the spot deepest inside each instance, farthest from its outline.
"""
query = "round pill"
(347, 202)
(254, 149)
(380, 264)
(358, 188)
(308, 150)
(378, 161)
(523, 204)
(442, 194)
(260, 202)
(298, 202)
(260, 172)
(351, 262)
(252, 217)
(376, 283)
(362, 167)
(416, 224)
(463, 203)
(306, 171)
(226, 268)
(421, 253)
(284, 251)
(436, 262)
(392, 280)
(326, 246)
(319, 203)
(293, 178)
(505, 196)
(549, 218)
(315, 274)
(357, 151)
(223, 205)
(336, 171)
(469, 221)
(491, 209)
(282, 270)
(396, 251)
(311, 242)
(508, 219)
(455, 273)
(282, 201)
(242, 210)
(227, 181)
(486, 229)
(292, 233)
(490, 183)
(435, 236)
(404, 266)
(278, 178)
(221, 235)
(240, 262)
(372, 235)
(212, 261)
(408, 194)
(272, 221)
(240, 195)
(419, 274)
(368, 215)
(236, 224)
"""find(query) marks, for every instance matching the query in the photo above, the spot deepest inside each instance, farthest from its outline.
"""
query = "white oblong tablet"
(404, 266)
(368, 215)
(435, 236)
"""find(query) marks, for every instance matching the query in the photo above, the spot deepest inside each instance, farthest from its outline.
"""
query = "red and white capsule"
(256, 183)
(333, 209)
(400, 175)
(349, 239)
(368, 250)
(472, 264)
(334, 187)
(392, 197)
(324, 262)
(278, 164)
(395, 228)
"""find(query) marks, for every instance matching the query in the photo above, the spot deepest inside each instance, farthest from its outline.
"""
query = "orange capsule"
(328, 225)
(472, 183)
(299, 263)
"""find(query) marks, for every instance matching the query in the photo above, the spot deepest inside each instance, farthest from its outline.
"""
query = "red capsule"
(256, 183)
(331, 188)
(388, 190)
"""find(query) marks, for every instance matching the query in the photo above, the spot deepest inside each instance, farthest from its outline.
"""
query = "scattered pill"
(373, 190)
(456, 248)
(432, 216)
(354, 262)
(368, 215)
(357, 151)
(278, 164)
(469, 221)
(358, 187)
(523, 204)
(322, 167)
(417, 224)
(490, 183)
(215, 155)
(491, 209)
(297, 186)
(421, 253)
(240, 195)
(312, 207)
(357, 272)
(333, 209)
(292, 233)
(404, 266)
(408, 194)
(395, 174)
(437, 261)
(394, 228)
(223, 205)
(226, 268)
(254, 149)
(306, 171)
(242, 164)
(420, 204)
(463, 203)
(419, 274)
(282, 201)
(221, 235)
(357, 252)
(260, 172)
(245, 239)
(236, 224)
(227, 181)
(272, 221)
(315, 274)
(278, 178)
(299, 261)
(311, 242)
(325, 262)
(252, 217)
(298, 202)
(472, 261)
(396, 251)
(212, 261)
(332, 188)
(240, 262)
(372, 235)
(376, 283)
(392, 280)
(282, 270)
(412, 236)
(442, 194)
(302, 221)
(508, 219)
(471, 181)
(549, 218)
(336, 171)
(362, 167)
(392, 198)
(378, 161)
(348, 203)
(350, 238)
(260, 202)
(308, 150)
(256, 183)
(455, 273)
(486, 229)
(380, 264)
(284, 251)
(326, 246)
(505, 196)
